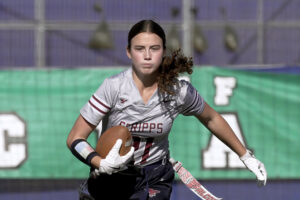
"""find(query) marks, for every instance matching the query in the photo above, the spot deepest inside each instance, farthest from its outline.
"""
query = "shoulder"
(182, 87)
(115, 81)
(193, 103)
(185, 90)
(120, 76)
(110, 88)
(179, 90)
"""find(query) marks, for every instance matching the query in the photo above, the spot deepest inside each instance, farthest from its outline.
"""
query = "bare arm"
(221, 129)
(81, 130)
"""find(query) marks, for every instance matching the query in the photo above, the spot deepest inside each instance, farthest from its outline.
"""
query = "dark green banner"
(39, 107)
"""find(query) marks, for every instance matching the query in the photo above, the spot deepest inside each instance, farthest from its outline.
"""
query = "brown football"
(109, 138)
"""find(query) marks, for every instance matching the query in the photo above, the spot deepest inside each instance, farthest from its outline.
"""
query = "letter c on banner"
(13, 145)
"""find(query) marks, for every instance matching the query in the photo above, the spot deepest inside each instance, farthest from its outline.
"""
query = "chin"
(148, 71)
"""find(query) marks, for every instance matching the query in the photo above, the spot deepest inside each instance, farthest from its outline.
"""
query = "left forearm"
(221, 129)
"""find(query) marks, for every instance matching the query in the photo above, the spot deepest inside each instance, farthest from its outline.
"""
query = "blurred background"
(44, 34)
(54, 54)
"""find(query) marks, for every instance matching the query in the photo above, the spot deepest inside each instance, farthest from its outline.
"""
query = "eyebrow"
(156, 45)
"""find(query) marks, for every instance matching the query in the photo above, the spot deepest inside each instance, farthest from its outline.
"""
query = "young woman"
(146, 98)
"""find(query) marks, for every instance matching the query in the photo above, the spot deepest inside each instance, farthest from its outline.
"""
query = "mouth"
(147, 65)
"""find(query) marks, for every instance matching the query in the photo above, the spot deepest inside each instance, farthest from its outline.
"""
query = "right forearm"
(95, 162)
(77, 142)
(82, 150)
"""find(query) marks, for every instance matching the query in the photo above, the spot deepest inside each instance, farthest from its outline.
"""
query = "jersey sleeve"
(193, 103)
(99, 104)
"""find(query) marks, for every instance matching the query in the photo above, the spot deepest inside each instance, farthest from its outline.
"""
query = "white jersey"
(120, 101)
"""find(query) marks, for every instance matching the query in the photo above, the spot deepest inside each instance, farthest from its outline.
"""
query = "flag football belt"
(140, 171)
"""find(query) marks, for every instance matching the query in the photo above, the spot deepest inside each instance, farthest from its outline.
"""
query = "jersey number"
(139, 143)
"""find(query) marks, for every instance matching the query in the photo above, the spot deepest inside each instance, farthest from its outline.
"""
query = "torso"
(149, 120)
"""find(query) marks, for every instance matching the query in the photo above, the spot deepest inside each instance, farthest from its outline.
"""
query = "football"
(109, 138)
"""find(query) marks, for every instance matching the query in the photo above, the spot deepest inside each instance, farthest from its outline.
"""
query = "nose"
(147, 54)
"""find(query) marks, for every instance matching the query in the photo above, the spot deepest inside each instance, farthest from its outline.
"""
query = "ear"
(128, 53)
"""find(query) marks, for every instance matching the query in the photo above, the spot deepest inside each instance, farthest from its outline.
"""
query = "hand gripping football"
(109, 138)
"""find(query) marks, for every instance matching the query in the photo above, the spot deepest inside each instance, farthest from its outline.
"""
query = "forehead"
(146, 38)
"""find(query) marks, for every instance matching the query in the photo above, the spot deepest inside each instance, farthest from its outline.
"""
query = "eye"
(155, 48)
(139, 48)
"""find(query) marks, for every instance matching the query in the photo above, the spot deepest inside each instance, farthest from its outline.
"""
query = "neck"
(146, 85)
(144, 81)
